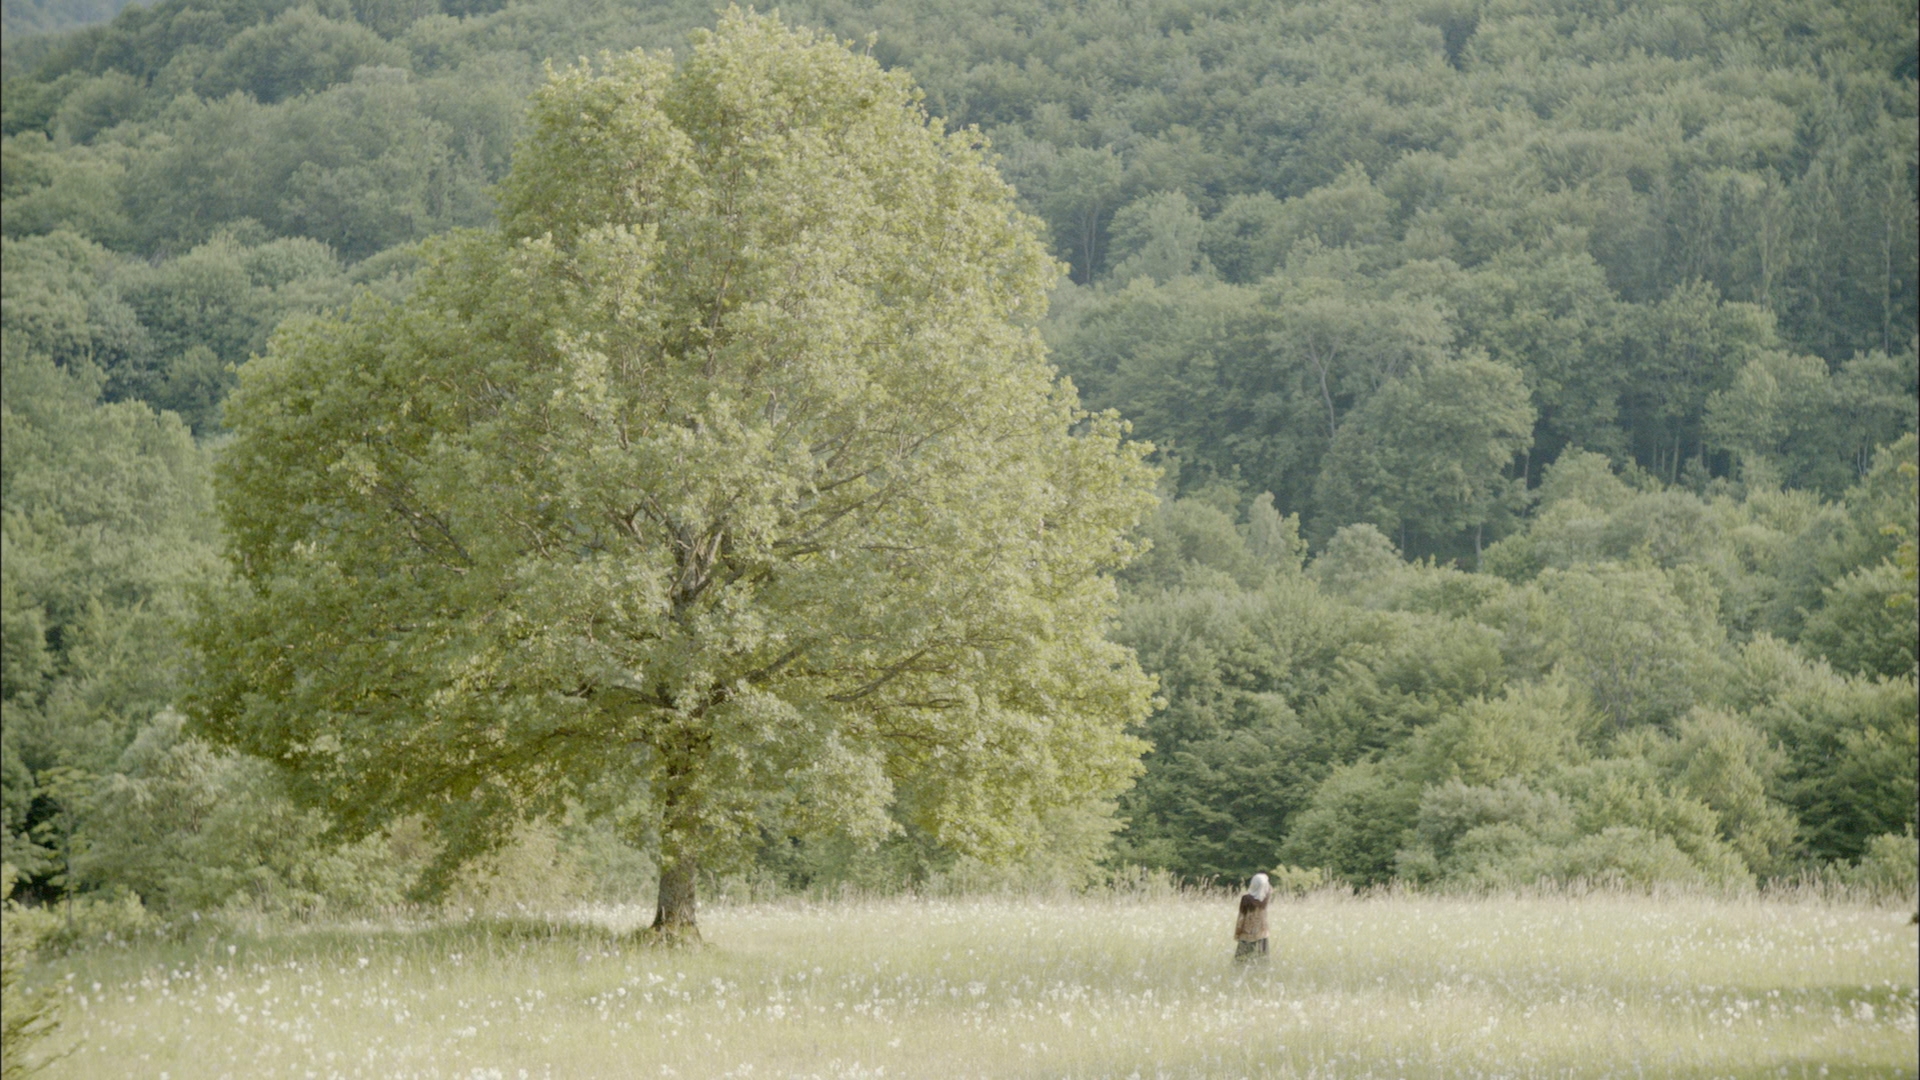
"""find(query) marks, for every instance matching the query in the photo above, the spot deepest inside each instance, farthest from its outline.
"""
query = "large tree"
(724, 486)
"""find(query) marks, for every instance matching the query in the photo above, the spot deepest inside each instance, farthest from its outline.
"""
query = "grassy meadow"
(1395, 986)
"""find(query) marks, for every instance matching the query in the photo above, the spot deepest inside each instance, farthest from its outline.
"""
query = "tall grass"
(1134, 983)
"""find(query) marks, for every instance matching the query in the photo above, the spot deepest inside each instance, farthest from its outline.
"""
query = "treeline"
(1532, 382)
(1616, 695)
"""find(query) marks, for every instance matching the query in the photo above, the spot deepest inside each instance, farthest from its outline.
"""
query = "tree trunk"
(673, 916)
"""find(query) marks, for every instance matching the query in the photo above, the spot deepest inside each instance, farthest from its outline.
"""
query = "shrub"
(90, 920)
(1891, 866)
(25, 1018)
(1294, 880)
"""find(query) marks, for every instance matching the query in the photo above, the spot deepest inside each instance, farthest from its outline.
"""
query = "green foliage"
(362, 166)
(1171, 355)
(107, 522)
(43, 16)
(1792, 422)
(1851, 745)
(168, 334)
(1730, 765)
(1633, 855)
(47, 188)
(26, 1018)
(1358, 821)
(1622, 797)
(58, 306)
(1862, 626)
(301, 51)
(1391, 266)
(1549, 312)
(697, 491)
(1531, 732)
(1485, 835)
(1890, 867)
(1428, 452)
(1565, 773)
(1190, 538)
(194, 829)
(1247, 240)
(1295, 881)
(114, 919)
(1232, 758)
(1156, 237)
(207, 311)
(1605, 259)
(1358, 559)
(1333, 340)
(1677, 353)
(21, 789)
(1645, 645)
(105, 528)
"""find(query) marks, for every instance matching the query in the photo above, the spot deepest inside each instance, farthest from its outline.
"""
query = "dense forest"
(1533, 385)
(30, 17)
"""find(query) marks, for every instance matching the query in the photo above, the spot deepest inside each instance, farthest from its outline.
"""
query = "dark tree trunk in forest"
(673, 916)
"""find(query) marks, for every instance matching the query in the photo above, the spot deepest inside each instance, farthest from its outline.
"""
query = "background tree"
(1156, 236)
(726, 486)
(1429, 453)
(106, 526)
(1680, 351)
(1548, 312)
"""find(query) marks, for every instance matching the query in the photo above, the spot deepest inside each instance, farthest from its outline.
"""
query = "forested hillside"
(26, 18)
(1534, 386)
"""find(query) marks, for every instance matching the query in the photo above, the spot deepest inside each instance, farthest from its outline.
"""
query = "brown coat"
(1252, 924)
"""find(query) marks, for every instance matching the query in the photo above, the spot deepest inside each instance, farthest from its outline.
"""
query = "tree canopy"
(1531, 385)
(725, 484)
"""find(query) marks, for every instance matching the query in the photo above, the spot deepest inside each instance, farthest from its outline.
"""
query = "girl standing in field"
(1250, 930)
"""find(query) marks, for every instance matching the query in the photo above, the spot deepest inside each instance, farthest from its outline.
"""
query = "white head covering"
(1259, 888)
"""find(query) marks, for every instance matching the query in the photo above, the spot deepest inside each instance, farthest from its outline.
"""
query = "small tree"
(726, 485)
